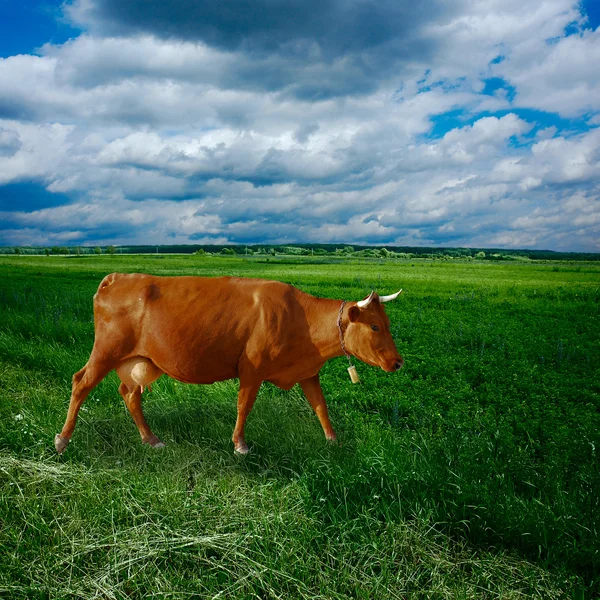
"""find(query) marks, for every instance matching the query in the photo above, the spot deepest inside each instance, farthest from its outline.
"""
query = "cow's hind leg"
(84, 381)
(133, 401)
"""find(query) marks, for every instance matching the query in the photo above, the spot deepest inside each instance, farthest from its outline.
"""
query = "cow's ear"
(353, 314)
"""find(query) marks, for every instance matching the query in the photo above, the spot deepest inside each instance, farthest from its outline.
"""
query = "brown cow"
(202, 330)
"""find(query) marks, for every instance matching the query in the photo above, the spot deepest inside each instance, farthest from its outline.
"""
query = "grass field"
(472, 473)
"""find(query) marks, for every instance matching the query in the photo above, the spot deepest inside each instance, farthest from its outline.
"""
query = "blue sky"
(398, 123)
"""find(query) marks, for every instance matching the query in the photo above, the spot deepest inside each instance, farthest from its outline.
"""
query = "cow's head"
(368, 335)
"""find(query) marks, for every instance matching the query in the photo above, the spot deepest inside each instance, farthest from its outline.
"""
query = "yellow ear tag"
(353, 374)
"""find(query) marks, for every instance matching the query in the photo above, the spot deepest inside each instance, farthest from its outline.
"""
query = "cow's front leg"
(246, 398)
(314, 394)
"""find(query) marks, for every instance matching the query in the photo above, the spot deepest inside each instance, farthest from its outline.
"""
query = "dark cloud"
(337, 27)
(312, 49)
(303, 133)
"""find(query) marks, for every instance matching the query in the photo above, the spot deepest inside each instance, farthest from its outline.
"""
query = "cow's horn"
(364, 303)
(390, 297)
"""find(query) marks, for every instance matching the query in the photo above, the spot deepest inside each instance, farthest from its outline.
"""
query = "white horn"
(364, 303)
(390, 297)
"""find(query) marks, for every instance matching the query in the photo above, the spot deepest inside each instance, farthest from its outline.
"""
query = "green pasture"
(472, 473)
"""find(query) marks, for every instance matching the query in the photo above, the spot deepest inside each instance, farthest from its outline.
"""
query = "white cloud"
(558, 77)
(38, 151)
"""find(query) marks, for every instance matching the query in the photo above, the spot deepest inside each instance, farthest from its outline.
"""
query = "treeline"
(61, 250)
(332, 250)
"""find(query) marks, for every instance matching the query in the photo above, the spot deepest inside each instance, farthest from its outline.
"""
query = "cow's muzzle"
(394, 365)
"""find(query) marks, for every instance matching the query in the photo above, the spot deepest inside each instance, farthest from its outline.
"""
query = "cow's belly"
(201, 375)
(286, 378)
(193, 363)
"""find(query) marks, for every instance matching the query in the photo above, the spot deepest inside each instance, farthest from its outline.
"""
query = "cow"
(208, 329)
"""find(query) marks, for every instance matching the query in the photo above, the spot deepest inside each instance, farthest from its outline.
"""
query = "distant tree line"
(60, 250)
(333, 250)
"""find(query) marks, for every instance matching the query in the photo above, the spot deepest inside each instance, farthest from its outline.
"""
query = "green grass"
(472, 473)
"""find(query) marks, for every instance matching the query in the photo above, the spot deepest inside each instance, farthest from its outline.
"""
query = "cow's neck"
(323, 315)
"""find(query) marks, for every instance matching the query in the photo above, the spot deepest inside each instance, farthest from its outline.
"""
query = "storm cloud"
(333, 28)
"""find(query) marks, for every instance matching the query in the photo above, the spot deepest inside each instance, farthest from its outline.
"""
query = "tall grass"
(472, 473)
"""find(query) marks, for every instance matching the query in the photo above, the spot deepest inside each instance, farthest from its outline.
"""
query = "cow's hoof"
(154, 441)
(242, 449)
(60, 443)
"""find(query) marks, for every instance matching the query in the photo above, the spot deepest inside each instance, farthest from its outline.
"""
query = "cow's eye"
(374, 328)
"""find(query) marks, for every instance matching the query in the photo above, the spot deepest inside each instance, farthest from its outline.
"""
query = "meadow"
(472, 473)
